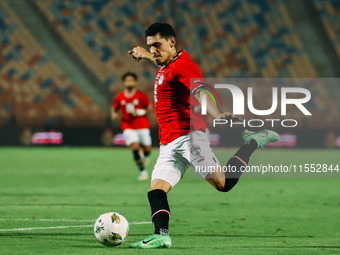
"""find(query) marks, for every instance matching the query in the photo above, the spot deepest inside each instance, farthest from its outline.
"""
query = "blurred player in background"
(134, 105)
(180, 126)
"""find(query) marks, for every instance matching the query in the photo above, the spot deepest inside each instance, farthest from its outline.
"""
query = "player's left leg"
(146, 154)
(139, 161)
(160, 214)
(132, 141)
(170, 166)
(146, 142)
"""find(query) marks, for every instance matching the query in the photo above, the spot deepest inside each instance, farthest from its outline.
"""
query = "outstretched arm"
(139, 53)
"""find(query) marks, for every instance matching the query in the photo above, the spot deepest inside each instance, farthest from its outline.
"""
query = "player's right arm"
(114, 114)
(138, 53)
(115, 108)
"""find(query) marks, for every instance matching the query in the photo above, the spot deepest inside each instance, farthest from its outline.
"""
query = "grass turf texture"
(259, 216)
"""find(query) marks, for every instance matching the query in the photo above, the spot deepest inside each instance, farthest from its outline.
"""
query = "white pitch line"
(140, 223)
(38, 228)
(61, 227)
(68, 220)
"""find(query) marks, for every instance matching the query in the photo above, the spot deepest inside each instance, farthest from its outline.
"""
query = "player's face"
(130, 82)
(161, 48)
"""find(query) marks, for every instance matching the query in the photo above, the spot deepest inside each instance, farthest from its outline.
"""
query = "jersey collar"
(174, 59)
(129, 95)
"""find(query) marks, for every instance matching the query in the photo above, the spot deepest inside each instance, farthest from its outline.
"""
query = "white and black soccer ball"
(111, 229)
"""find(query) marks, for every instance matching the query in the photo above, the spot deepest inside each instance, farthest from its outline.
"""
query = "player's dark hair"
(166, 31)
(129, 74)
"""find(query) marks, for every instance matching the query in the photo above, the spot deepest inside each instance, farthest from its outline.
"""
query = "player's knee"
(160, 184)
(223, 185)
(147, 152)
(134, 146)
(229, 184)
(225, 189)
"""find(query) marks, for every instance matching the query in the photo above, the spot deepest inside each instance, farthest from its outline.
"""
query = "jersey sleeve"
(116, 103)
(187, 71)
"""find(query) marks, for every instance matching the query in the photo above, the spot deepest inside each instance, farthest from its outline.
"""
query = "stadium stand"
(33, 90)
(101, 33)
(226, 38)
(243, 39)
(329, 12)
(251, 39)
(323, 110)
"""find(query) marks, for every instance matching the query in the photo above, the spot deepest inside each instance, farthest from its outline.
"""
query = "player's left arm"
(212, 108)
(184, 73)
(147, 107)
(142, 112)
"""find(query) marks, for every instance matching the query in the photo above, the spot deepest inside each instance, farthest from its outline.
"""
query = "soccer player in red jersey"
(134, 105)
(182, 132)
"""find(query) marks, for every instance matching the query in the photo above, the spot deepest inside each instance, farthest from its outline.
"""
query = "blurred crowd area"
(74, 82)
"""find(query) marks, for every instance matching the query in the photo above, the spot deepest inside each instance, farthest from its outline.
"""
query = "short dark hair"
(129, 74)
(166, 31)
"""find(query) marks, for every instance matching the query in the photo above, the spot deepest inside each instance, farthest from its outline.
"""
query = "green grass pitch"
(259, 216)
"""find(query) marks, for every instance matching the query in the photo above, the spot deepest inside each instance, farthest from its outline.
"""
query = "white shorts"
(141, 136)
(176, 157)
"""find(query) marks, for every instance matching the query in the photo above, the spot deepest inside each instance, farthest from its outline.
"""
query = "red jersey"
(174, 101)
(128, 104)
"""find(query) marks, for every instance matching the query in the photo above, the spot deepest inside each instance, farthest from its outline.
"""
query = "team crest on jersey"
(161, 79)
(122, 102)
(135, 101)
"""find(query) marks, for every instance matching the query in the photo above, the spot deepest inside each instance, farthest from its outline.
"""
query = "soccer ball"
(111, 229)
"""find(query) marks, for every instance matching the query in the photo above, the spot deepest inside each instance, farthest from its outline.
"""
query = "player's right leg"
(261, 137)
(202, 156)
(225, 181)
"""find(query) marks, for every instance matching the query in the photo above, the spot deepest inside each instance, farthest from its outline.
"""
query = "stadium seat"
(31, 86)
(329, 13)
